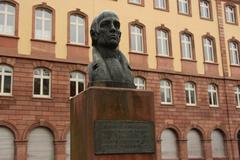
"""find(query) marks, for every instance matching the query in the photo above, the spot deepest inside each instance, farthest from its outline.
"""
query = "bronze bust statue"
(109, 67)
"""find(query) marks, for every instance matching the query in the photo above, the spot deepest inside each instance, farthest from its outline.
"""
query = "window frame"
(233, 40)
(3, 74)
(77, 12)
(189, 7)
(169, 43)
(214, 51)
(43, 6)
(212, 92)
(139, 85)
(166, 9)
(16, 5)
(142, 3)
(77, 80)
(166, 89)
(237, 95)
(144, 43)
(186, 32)
(189, 90)
(41, 83)
(209, 9)
(235, 14)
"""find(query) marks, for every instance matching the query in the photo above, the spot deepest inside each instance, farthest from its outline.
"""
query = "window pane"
(38, 13)
(0, 83)
(187, 96)
(81, 34)
(37, 86)
(46, 72)
(7, 84)
(133, 43)
(193, 97)
(72, 88)
(11, 9)
(73, 33)
(46, 87)
(80, 87)
(1, 7)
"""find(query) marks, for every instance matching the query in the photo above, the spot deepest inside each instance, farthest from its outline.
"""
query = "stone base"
(99, 104)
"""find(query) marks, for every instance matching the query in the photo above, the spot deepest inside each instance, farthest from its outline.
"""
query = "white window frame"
(234, 53)
(230, 14)
(186, 42)
(237, 95)
(7, 28)
(136, 1)
(181, 6)
(208, 50)
(213, 91)
(135, 34)
(205, 9)
(41, 77)
(138, 83)
(161, 4)
(76, 80)
(162, 39)
(77, 32)
(166, 88)
(43, 19)
(190, 87)
(3, 74)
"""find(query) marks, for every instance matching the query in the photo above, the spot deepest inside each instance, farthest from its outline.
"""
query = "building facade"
(185, 51)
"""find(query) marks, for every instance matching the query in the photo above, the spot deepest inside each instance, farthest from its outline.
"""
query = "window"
(238, 139)
(237, 96)
(77, 29)
(208, 44)
(77, 83)
(68, 146)
(230, 14)
(183, 6)
(7, 18)
(161, 4)
(136, 1)
(218, 149)
(213, 95)
(205, 9)
(162, 43)
(166, 92)
(139, 83)
(186, 42)
(194, 144)
(190, 93)
(6, 144)
(169, 145)
(42, 82)
(43, 24)
(234, 54)
(40, 144)
(136, 39)
(5, 80)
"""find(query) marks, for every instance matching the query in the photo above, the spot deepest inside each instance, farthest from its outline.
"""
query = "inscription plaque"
(118, 137)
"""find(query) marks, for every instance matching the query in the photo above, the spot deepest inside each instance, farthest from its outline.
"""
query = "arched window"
(166, 92)
(6, 144)
(40, 145)
(209, 49)
(169, 145)
(5, 80)
(237, 96)
(68, 146)
(187, 46)
(7, 18)
(136, 38)
(194, 144)
(77, 83)
(218, 146)
(234, 52)
(190, 92)
(205, 9)
(230, 14)
(213, 95)
(42, 82)
(163, 43)
(139, 83)
(43, 24)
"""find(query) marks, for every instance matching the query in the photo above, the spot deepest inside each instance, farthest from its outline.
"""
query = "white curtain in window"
(169, 146)
(217, 144)
(6, 144)
(194, 144)
(68, 146)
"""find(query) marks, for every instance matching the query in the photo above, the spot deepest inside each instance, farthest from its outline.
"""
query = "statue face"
(109, 32)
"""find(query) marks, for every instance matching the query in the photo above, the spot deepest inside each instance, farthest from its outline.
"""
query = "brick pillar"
(207, 149)
(229, 148)
(183, 149)
(235, 150)
(60, 153)
(21, 150)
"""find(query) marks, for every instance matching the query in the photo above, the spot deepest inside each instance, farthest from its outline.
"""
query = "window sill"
(168, 57)
(162, 9)
(211, 106)
(235, 65)
(44, 41)
(191, 106)
(185, 14)
(138, 53)
(136, 4)
(206, 19)
(212, 63)
(189, 60)
(9, 36)
(78, 45)
(42, 98)
(167, 104)
(232, 23)
(6, 97)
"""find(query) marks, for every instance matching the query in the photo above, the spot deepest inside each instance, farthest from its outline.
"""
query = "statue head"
(105, 30)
